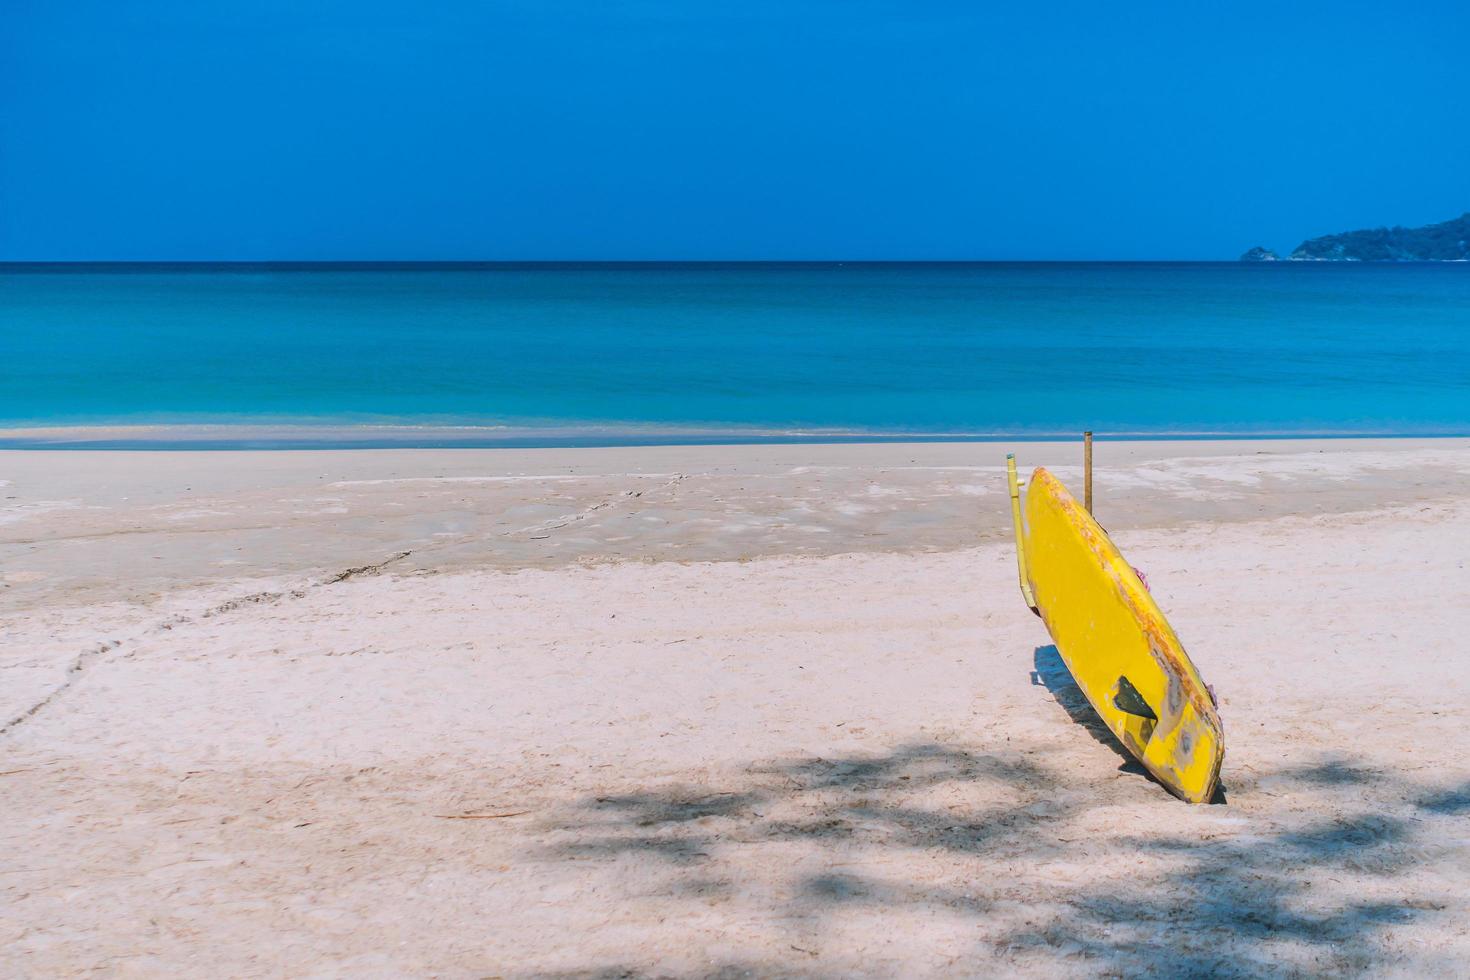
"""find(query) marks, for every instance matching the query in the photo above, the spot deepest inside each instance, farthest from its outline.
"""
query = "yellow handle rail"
(1020, 536)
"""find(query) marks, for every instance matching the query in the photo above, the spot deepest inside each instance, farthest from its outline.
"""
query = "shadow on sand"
(1136, 883)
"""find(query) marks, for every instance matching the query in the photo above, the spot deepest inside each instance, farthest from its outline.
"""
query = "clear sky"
(684, 129)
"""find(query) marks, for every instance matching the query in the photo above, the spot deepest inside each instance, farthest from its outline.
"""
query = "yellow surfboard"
(1115, 640)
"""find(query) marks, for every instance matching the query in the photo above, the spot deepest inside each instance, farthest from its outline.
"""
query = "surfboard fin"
(1129, 700)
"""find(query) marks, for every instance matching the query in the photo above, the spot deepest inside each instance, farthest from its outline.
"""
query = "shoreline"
(299, 436)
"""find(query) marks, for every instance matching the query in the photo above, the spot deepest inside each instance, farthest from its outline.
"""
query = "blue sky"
(679, 129)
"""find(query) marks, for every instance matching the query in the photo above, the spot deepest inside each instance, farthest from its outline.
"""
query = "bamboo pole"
(1020, 537)
(1087, 471)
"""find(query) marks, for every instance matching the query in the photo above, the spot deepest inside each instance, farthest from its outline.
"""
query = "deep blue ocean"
(610, 354)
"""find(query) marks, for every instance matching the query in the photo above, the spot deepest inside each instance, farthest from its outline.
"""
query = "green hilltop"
(1448, 241)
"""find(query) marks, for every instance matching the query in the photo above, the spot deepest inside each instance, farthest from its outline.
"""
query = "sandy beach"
(718, 711)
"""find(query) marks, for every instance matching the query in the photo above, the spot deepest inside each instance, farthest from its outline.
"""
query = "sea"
(446, 355)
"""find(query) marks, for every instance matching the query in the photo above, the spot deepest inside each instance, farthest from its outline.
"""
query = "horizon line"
(290, 264)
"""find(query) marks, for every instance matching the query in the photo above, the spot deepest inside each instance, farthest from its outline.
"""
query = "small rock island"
(1448, 241)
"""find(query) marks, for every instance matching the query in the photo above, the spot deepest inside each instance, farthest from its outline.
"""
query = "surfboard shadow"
(1050, 671)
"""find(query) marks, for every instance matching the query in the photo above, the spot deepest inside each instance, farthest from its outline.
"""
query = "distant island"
(1448, 241)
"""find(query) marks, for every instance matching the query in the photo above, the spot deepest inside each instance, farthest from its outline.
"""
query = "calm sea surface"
(750, 352)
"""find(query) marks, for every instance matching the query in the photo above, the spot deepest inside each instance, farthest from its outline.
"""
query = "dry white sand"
(825, 741)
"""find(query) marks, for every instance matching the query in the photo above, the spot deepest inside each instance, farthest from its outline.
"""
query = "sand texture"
(742, 711)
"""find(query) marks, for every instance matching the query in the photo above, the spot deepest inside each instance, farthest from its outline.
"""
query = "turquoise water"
(647, 353)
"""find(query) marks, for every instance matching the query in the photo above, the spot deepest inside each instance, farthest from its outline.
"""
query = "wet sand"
(136, 525)
(772, 710)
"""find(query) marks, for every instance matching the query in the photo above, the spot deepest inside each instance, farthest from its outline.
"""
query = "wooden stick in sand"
(1087, 471)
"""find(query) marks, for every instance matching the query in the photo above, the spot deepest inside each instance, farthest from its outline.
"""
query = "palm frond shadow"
(1199, 899)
